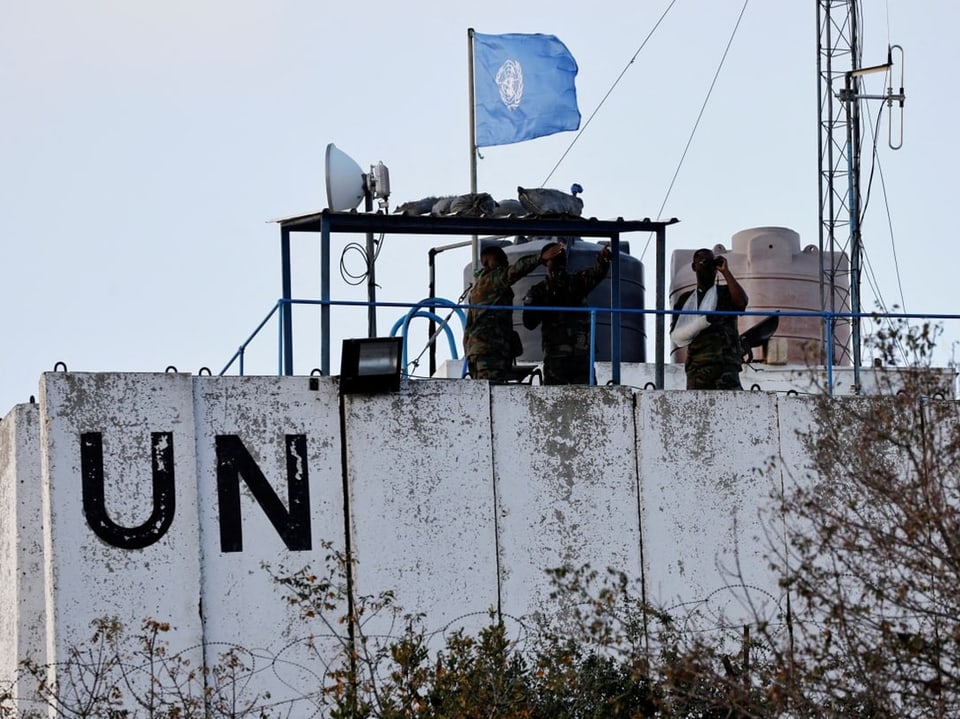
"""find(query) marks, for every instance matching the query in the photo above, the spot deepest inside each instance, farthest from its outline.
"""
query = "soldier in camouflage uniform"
(486, 337)
(565, 336)
(714, 356)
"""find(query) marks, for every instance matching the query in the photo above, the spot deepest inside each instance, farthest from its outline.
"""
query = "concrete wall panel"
(708, 466)
(245, 421)
(90, 577)
(567, 492)
(23, 618)
(796, 468)
(421, 499)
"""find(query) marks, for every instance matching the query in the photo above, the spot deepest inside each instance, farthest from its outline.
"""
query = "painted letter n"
(233, 463)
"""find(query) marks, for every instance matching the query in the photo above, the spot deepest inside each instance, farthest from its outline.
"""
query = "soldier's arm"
(738, 296)
(522, 267)
(593, 276)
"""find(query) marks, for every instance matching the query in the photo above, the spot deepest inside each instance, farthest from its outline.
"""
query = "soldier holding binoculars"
(712, 341)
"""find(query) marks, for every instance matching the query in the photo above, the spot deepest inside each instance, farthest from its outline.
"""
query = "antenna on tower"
(851, 96)
(898, 98)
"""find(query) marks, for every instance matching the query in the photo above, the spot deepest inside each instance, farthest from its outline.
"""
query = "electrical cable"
(604, 99)
(893, 244)
(875, 167)
(871, 275)
(349, 277)
(696, 124)
(358, 279)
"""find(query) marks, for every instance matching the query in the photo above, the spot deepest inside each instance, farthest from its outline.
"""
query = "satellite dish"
(345, 181)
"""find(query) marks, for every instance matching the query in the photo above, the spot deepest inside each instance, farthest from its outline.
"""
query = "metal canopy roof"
(327, 222)
(455, 225)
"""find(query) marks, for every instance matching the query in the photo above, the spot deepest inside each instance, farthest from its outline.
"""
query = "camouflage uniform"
(714, 355)
(565, 336)
(486, 338)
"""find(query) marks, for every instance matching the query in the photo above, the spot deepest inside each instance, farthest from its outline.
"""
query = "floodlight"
(371, 365)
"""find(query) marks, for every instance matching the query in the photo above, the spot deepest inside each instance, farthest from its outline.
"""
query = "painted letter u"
(94, 505)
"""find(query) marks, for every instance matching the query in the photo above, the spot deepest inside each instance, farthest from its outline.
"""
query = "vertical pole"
(325, 296)
(593, 344)
(432, 265)
(746, 656)
(830, 351)
(615, 304)
(855, 239)
(286, 311)
(475, 244)
(661, 302)
(371, 273)
(853, 179)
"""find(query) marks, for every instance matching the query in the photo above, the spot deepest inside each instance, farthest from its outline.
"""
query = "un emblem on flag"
(509, 80)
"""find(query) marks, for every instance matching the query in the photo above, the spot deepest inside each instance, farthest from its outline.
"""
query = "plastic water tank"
(581, 254)
(777, 275)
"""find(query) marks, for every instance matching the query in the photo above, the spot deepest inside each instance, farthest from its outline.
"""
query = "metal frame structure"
(839, 203)
(326, 223)
(840, 148)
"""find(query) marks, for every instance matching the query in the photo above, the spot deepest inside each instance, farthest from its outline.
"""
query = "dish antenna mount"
(347, 185)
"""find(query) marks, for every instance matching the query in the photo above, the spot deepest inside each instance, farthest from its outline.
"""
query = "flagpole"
(475, 244)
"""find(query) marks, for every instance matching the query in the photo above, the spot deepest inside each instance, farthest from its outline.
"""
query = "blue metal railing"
(241, 351)
(419, 309)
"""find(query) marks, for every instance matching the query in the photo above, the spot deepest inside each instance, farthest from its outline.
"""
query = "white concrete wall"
(421, 481)
(459, 495)
(709, 463)
(9, 551)
(567, 490)
(22, 619)
(86, 576)
(243, 607)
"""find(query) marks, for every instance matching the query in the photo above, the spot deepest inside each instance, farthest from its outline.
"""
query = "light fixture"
(372, 364)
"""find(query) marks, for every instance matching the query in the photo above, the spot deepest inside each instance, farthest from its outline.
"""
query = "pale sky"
(144, 146)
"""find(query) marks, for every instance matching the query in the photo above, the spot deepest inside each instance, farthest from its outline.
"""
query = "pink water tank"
(778, 275)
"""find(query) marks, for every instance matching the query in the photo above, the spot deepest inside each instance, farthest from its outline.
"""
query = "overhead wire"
(696, 124)
(414, 364)
(609, 92)
(876, 168)
(866, 264)
(864, 258)
(871, 276)
(893, 244)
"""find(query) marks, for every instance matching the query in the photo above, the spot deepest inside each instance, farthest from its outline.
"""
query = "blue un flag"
(524, 88)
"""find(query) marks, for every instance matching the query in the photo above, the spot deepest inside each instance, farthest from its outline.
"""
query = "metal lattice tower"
(840, 146)
(838, 53)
